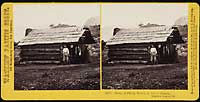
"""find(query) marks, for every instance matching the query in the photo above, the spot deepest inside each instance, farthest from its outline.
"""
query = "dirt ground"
(140, 76)
(57, 77)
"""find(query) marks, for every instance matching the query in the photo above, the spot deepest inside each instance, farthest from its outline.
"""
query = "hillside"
(182, 24)
(182, 21)
(92, 21)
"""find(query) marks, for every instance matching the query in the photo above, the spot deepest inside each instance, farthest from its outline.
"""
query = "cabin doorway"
(76, 54)
(166, 53)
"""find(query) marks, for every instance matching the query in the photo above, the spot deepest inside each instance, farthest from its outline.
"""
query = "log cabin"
(45, 45)
(133, 45)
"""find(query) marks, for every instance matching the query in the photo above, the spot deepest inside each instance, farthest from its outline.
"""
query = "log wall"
(50, 53)
(139, 53)
(129, 53)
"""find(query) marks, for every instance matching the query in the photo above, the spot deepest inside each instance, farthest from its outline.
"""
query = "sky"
(130, 15)
(39, 16)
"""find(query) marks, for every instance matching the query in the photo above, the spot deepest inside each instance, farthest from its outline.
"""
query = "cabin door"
(84, 54)
(168, 53)
(75, 54)
(172, 53)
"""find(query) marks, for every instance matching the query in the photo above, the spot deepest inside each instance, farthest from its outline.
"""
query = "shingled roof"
(53, 35)
(141, 35)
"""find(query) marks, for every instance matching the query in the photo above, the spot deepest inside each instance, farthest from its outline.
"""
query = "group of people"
(166, 53)
(74, 54)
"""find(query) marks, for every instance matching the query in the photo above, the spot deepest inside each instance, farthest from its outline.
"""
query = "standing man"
(65, 55)
(153, 53)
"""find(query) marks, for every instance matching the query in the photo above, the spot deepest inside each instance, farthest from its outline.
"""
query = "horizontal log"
(39, 54)
(130, 61)
(38, 51)
(128, 49)
(41, 49)
(147, 59)
(28, 59)
(41, 62)
(41, 57)
(135, 56)
(129, 46)
(130, 57)
(41, 46)
(128, 53)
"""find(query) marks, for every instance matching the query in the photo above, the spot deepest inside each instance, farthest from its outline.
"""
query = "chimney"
(115, 31)
(28, 30)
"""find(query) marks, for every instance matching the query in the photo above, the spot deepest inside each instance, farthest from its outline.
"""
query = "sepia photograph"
(57, 46)
(99, 51)
(144, 46)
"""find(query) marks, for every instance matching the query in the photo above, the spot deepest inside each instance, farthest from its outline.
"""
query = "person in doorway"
(72, 54)
(153, 53)
(65, 55)
(79, 54)
(86, 54)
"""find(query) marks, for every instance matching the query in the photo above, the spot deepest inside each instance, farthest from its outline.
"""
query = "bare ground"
(140, 76)
(57, 77)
